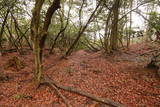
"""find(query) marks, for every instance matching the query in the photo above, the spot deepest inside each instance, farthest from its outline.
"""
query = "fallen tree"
(53, 84)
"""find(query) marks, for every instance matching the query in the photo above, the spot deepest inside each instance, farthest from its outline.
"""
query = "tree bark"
(130, 27)
(23, 34)
(35, 35)
(2, 29)
(114, 31)
(51, 10)
(63, 28)
(82, 30)
(39, 34)
(106, 38)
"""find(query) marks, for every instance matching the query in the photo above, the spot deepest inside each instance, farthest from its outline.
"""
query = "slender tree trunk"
(106, 41)
(130, 27)
(114, 31)
(12, 38)
(63, 28)
(2, 29)
(82, 30)
(23, 34)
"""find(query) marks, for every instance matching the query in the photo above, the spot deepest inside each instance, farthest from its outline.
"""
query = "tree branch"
(47, 80)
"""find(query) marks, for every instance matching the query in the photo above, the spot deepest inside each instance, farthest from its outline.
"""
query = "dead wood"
(53, 84)
(60, 95)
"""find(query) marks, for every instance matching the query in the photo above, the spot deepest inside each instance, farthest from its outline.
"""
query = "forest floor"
(122, 77)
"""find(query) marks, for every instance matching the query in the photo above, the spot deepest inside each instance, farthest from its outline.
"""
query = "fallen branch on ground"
(53, 84)
(60, 95)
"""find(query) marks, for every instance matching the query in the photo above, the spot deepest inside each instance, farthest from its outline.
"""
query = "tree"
(39, 33)
(81, 31)
(9, 7)
(114, 30)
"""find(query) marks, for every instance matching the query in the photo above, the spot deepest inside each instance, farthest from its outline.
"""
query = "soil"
(121, 76)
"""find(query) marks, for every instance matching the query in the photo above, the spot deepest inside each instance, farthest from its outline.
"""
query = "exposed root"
(55, 85)
(58, 93)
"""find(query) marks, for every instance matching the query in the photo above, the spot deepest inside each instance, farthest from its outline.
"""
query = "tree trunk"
(39, 34)
(2, 29)
(35, 35)
(114, 31)
(106, 36)
(82, 30)
(130, 28)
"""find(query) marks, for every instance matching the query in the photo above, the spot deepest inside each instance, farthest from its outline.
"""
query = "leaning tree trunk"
(82, 30)
(2, 28)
